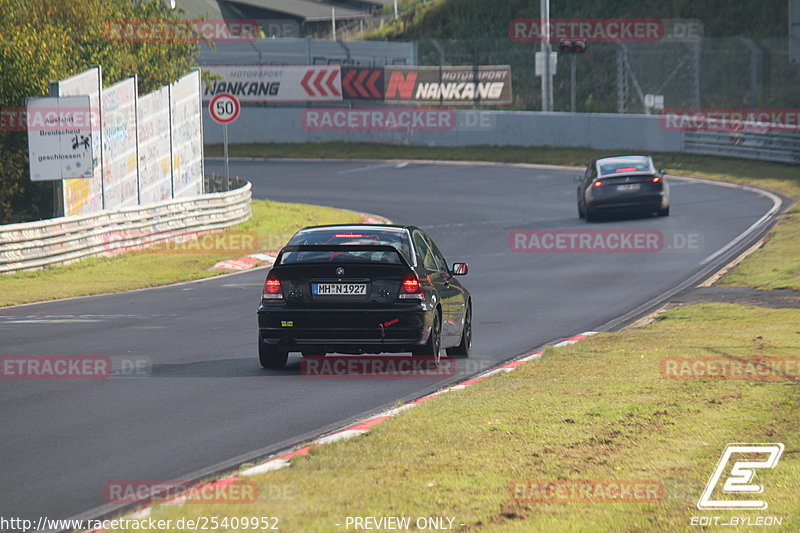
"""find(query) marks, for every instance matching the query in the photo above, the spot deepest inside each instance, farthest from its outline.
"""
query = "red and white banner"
(363, 83)
(272, 83)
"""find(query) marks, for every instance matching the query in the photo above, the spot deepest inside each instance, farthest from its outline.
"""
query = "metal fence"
(34, 245)
(616, 77)
(611, 77)
(778, 147)
(308, 51)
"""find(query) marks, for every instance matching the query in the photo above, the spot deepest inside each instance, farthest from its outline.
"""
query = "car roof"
(348, 227)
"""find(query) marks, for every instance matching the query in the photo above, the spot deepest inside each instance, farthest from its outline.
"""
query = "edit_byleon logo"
(739, 481)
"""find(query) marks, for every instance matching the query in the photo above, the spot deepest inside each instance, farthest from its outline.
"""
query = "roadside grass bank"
(269, 228)
(775, 266)
(599, 411)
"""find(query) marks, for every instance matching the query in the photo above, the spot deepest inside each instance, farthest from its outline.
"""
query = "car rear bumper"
(345, 330)
(649, 201)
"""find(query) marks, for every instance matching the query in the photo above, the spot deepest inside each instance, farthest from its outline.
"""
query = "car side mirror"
(661, 171)
(460, 269)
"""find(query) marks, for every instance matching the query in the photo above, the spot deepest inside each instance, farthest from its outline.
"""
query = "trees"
(48, 40)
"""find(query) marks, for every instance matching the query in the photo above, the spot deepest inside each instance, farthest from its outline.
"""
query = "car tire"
(581, 212)
(272, 355)
(663, 212)
(590, 215)
(433, 347)
(464, 349)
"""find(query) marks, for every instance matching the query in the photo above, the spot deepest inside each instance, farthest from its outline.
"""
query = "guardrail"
(774, 146)
(33, 245)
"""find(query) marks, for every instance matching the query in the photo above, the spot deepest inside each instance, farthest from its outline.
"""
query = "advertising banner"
(155, 170)
(187, 136)
(273, 83)
(120, 187)
(83, 196)
(448, 85)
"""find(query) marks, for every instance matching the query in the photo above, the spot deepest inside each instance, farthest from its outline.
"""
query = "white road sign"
(60, 137)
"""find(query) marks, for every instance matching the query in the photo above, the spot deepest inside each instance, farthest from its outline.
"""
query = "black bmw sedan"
(622, 183)
(363, 289)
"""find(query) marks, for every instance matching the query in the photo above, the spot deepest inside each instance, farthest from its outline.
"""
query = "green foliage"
(49, 40)
(469, 19)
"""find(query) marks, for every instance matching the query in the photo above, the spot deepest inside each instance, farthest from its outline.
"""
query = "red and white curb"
(268, 258)
(363, 426)
(354, 430)
(246, 262)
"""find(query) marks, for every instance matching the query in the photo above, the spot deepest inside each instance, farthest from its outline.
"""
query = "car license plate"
(628, 187)
(339, 289)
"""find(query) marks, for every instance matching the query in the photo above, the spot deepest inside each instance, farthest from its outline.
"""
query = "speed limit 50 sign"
(224, 108)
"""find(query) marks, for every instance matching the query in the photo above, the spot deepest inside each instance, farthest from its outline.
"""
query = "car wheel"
(272, 355)
(581, 212)
(663, 212)
(434, 344)
(465, 348)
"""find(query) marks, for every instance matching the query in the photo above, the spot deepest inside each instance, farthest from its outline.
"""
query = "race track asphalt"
(207, 404)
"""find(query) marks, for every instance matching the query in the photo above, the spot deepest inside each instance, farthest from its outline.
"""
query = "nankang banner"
(448, 85)
(274, 83)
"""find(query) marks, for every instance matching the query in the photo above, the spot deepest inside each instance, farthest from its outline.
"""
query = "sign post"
(224, 108)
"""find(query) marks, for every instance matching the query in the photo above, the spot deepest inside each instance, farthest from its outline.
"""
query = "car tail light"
(655, 179)
(411, 289)
(272, 288)
(598, 183)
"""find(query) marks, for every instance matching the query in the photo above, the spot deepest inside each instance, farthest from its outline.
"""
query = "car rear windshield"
(619, 166)
(397, 239)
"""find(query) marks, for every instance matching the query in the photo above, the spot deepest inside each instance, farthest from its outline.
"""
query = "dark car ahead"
(363, 289)
(622, 183)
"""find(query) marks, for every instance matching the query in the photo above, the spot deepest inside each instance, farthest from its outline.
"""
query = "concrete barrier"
(33, 245)
(464, 128)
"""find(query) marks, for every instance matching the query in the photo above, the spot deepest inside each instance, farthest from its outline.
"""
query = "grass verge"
(776, 266)
(269, 228)
(597, 410)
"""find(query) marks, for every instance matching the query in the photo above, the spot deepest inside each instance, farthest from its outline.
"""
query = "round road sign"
(224, 108)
